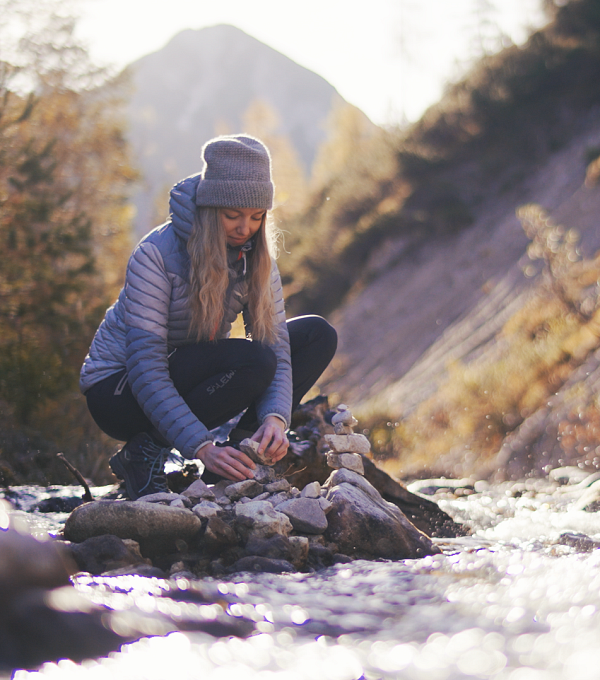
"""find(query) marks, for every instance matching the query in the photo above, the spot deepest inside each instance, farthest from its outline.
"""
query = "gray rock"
(248, 487)
(165, 498)
(340, 428)
(299, 551)
(218, 535)
(219, 488)
(262, 497)
(206, 509)
(250, 448)
(263, 474)
(178, 503)
(277, 547)
(279, 498)
(350, 461)
(363, 526)
(344, 417)
(261, 564)
(277, 486)
(305, 514)
(312, 490)
(155, 527)
(105, 553)
(199, 490)
(343, 475)
(348, 443)
(325, 504)
(262, 520)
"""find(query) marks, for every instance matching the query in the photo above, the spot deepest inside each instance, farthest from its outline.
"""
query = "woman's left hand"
(271, 435)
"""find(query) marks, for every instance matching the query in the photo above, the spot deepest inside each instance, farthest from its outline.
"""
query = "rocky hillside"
(444, 273)
(204, 82)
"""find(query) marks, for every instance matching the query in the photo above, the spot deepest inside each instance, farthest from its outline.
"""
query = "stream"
(512, 600)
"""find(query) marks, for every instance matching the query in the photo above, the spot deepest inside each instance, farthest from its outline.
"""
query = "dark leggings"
(218, 380)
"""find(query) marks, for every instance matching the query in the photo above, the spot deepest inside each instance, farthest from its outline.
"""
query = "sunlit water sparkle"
(507, 602)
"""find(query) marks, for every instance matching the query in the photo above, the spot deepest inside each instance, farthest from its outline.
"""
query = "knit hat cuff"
(234, 194)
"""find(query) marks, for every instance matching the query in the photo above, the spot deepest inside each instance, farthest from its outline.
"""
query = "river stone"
(344, 417)
(279, 498)
(363, 526)
(348, 443)
(325, 504)
(155, 527)
(263, 474)
(206, 509)
(344, 475)
(340, 428)
(218, 535)
(248, 488)
(278, 485)
(99, 554)
(277, 547)
(312, 490)
(305, 514)
(299, 551)
(262, 520)
(250, 448)
(199, 490)
(350, 461)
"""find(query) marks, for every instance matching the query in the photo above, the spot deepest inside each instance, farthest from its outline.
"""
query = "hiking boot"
(140, 464)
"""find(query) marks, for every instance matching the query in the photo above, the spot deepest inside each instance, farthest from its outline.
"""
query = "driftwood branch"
(87, 495)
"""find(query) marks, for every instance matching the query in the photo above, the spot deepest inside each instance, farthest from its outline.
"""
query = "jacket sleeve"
(147, 298)
(277, 399)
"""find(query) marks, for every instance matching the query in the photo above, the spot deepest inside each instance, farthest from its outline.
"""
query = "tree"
(64, 221)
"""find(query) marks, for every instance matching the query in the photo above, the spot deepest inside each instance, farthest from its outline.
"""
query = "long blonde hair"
(209, 277)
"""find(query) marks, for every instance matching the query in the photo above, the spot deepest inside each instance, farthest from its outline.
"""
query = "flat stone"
(305, 514)
(262, 497)
(248, 488)
(368, 528)
(312, 490)
(344, 418)
(263, 474)
(178, 503)
(219, 488)
(206, 509)
(264, 520)
(350, 461)
(250, 448)
(165, 498)
(199, 490)
(278, 485)
(155, 527)
(348, 443)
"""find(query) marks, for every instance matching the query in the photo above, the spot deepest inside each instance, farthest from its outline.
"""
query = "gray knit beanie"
(236, 174)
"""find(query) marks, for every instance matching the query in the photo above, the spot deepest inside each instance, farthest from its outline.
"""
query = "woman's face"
(241, 224)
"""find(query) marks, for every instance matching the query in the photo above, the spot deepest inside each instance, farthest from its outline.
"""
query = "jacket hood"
(182, 206)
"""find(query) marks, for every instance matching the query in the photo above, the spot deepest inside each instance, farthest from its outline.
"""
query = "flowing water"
(509, 601)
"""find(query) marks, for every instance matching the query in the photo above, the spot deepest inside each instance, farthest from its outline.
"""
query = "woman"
(162, 372)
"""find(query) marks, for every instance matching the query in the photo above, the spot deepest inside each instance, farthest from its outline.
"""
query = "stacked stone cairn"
(259, 524)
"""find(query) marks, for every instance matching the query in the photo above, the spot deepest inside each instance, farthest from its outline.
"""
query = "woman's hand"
(227, 462)
(271, 435)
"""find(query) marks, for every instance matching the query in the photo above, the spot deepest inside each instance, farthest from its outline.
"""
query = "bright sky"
(390, 58)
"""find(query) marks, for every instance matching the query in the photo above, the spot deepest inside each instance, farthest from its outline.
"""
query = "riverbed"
(512, 600)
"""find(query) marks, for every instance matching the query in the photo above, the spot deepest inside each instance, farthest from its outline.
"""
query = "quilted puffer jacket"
(152, 317)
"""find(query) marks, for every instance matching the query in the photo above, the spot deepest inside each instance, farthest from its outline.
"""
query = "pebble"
(350, 461)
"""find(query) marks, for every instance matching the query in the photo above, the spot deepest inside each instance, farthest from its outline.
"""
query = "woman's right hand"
(227, 462)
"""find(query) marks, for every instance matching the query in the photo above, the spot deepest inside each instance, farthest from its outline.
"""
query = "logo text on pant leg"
(221, 382)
